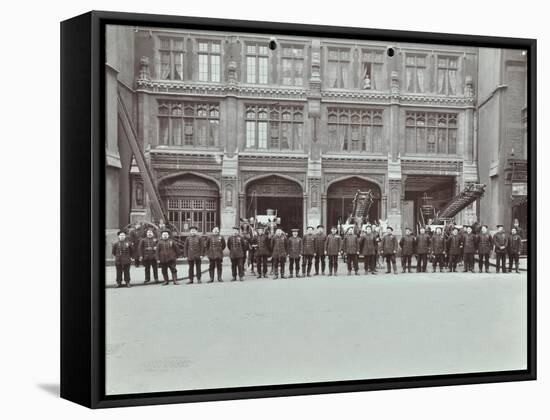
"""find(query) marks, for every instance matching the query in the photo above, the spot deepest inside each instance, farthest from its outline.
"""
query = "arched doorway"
(340, 199)
(191, 200)
(276, 193)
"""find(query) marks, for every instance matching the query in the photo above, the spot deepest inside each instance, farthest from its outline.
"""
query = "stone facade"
(313, 113)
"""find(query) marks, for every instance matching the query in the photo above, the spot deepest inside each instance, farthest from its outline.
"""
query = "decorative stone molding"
(144, 74)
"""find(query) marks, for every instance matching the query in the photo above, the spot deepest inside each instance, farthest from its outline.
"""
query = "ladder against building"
(156, 204)
(467, 196)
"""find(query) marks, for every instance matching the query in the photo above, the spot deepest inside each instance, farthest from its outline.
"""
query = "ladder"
(471, 193)
(156, 204)
(361, 205)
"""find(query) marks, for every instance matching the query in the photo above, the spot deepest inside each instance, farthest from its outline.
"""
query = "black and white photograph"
(285, 209)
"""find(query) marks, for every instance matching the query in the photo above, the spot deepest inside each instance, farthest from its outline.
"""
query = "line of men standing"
(159, 249)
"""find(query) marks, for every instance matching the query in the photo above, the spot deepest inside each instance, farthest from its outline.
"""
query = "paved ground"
(165, 338)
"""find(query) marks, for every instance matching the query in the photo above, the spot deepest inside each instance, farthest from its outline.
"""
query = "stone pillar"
(305, 221)
(394, 188)
(228, 194)
(394, 126)
(324, 210)
(312, 213)
(242, 206)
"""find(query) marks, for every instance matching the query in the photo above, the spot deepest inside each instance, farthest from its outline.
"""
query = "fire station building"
(231, 128)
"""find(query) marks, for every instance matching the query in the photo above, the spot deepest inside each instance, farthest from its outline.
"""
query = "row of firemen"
(311, 250)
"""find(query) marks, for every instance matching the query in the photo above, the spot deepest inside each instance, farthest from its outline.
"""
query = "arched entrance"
(191, 200)
(340, 199)
(276, 193)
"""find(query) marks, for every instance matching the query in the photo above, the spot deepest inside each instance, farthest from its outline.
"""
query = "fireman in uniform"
(407, 244)
(422, 250)
(484, 248)
(193, 250)
(454, 249)
(514, 249)
(214, 246)
(308, 251)
(350, 245)
(389, 249)
(122, 250)
(469, 240)
(279, 247)
(500, 243)
(261, 243)
(320, 238)
(148, 255)
(333, 247)
(135, 236)
(237, 251)
(438, 248)
(294, 253)
(167, 254)
(368, 247)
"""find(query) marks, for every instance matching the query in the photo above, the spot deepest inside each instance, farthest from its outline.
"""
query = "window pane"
(216, 69)
(262, 70)
(298, 136)
(203, 67)
(165, 65)
(178, 66)
(163, 130)
(176, 132)
(250, 134)
(251, 69)
(203, 46)
(262, 135)
(216, 48)
(452, 141)
(214, 132)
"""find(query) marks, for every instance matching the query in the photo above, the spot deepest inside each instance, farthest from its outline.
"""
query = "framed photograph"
(270, 209)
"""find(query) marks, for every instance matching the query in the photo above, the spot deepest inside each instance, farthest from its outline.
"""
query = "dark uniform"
(262, 245)
(438, 246)
(407, 244)
(123, 251)
(320, 239)
(308, 251)
(148, 254)
(333, 246)
(214, 246)
(237, 250)
(279, 247)
(500, 242)
(135, 236)
(484, 248)
(514, 250)
(422, 251)
(294, 253)
(454, 250)
(167, 253)
(469, 241)
(368, 247)
(193, 250)
(351, 249)
(389, 249)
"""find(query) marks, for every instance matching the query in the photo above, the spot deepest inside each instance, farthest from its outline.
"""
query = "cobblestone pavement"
(320, 328)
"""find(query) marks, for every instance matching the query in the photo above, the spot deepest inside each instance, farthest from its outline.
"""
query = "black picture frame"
(83, 203)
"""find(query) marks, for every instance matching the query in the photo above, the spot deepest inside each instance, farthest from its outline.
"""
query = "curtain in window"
(165, 66)
(452, 82)
(163, 130)
(344, 75)
(409, 75)
(420, 78)
(343, 137)
(332, 74)
(202, 132)
(176, 131)
(178, 66)
(285, 134)
(367, 138)
(376, 76)
(333, 139)
(452, 141)
(298, 136)
(441, 81)
(442, 141)
(287, 71)
(214, 130)
(298, 72)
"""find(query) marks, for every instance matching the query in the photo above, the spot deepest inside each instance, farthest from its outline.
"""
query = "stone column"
(394, 188)
(228, 195)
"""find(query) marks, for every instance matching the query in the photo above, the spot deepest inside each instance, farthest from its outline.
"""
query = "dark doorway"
(279, 194)
(340, 200)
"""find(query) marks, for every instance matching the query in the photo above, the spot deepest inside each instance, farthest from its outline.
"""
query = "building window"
(355, 130)
(256, 64)
(188, 124)
(430, 133)
(447, 68)
(372, 65)
(209, 61)
(201, 213)
(293, 65)
(171, 58)
(415, 72)
(338, 68)
(274, 127)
